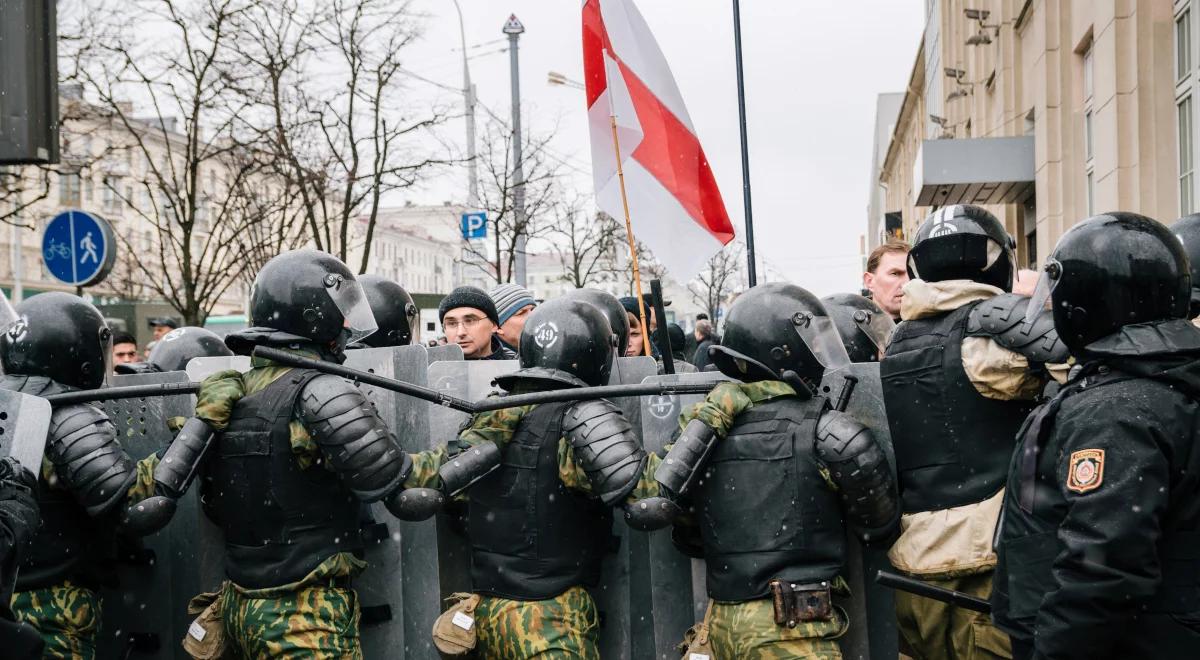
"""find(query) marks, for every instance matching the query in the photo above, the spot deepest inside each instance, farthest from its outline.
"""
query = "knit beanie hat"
(468, 296)
(509, 299)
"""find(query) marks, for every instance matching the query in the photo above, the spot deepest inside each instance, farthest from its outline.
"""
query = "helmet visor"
(1047, 282)
(106, 350)
(821, 337)
(357, 319)
(878, 327)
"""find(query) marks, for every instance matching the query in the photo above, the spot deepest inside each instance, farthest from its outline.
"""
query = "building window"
(1089, 160)
(1186, 158)
(69, 186)
(1183, 44)
(112, 199)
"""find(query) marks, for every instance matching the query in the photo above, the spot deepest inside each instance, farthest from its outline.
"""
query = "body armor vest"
(69, 544)
(1033, 509)
(280, 521)
(531, 537)
(952, 443)
(764, 509)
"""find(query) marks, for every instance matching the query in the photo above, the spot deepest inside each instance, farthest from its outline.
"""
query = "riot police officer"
(864, 327)
(1099, 548)
(394, 312)
(959, 376)
(89, 485)
(176, 348)
(19, 520)
(540, 511)
(1187, 229)
(612, 309)
(773, 499)
(295, 452)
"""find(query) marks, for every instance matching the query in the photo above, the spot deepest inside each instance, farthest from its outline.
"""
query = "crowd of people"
(1039, 453)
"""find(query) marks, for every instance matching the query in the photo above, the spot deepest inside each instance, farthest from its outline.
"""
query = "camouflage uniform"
(66, 615)
(567, 626)
(748, 629)
(313, 618)
(316, 617)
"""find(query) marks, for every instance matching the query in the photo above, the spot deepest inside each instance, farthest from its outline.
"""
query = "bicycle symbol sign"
(78, 248)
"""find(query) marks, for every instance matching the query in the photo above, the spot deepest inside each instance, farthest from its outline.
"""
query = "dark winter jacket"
(500, 351)
(1099, 547)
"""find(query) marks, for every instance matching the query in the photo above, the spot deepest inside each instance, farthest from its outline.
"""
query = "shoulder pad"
(1003, 320)
(350, 433)
(606, 447)
(87, 458)
(859, 468)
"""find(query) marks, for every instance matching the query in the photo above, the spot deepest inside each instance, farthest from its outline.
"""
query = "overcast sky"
(813, 70)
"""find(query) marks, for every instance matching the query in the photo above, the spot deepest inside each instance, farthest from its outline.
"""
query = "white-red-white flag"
(674, 202)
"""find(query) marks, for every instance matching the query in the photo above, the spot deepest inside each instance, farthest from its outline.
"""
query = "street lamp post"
(469, 101)
(513, 28)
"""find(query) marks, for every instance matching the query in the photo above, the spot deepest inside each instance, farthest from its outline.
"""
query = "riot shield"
(622, 596)
(871, 608)
(145, 615)
(393, 616)
(675, 592)
(24, 423)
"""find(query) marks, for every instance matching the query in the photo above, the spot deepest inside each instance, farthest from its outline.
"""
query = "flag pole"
(751, 273)
(637, 274)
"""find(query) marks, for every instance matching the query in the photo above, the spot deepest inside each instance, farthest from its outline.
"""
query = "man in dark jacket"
(469, 319)
(1099, 545)
(704, 338)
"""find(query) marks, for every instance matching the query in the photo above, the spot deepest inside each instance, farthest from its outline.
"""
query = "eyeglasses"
(468, 324)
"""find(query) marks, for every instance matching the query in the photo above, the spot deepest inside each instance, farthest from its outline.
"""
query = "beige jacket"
(958, 541)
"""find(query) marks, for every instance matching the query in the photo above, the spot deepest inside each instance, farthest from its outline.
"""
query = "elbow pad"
(469, 466)
(87, 459)
(1002, 318)
(684, 464)
(858, 467)
(605, 447)
(356, 442)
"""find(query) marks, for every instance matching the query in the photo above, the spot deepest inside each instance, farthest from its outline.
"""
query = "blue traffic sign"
(78, 248)
(474, 225)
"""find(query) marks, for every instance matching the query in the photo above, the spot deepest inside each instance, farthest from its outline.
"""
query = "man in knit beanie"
(513, 304)
(468, 317)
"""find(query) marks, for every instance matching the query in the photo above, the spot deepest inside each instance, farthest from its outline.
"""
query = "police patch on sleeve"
(1086, 470)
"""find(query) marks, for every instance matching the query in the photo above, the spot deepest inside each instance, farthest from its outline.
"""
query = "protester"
(513, 304)
(887, 273)
(468, 316)
(124, 349)
(704, 339)
(161, 325)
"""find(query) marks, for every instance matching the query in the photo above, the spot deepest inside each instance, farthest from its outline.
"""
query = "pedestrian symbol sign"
(78, 248)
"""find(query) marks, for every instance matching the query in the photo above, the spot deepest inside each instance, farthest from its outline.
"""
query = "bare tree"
(497, 193)
(585, 245)
(186, 174)
(324, 82)
(718, 280)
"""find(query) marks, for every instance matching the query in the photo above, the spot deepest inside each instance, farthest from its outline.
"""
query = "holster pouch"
(454, 632)
(799, 603)
(695, 644)
(205, 638)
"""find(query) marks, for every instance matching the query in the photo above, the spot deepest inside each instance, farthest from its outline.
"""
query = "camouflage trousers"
(315, 622)
(747, 631)
(933, 630)
(66, 616)
(566, 626)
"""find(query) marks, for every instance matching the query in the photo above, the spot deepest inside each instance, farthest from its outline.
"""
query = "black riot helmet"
(612, 309)
(779, 331)
(179, 346)
(311, 294)
(394, 310)
(865, 329)
(564, 343)
(1110, 271)
(61, 337)
(963, 242)
(1187, 229)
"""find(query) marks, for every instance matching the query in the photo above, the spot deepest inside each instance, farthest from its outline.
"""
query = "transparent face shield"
(1047, 282)
(414, 325)
(357, 319)
(821, 338)
(878, 327)
(8, 316)
(106, 349)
